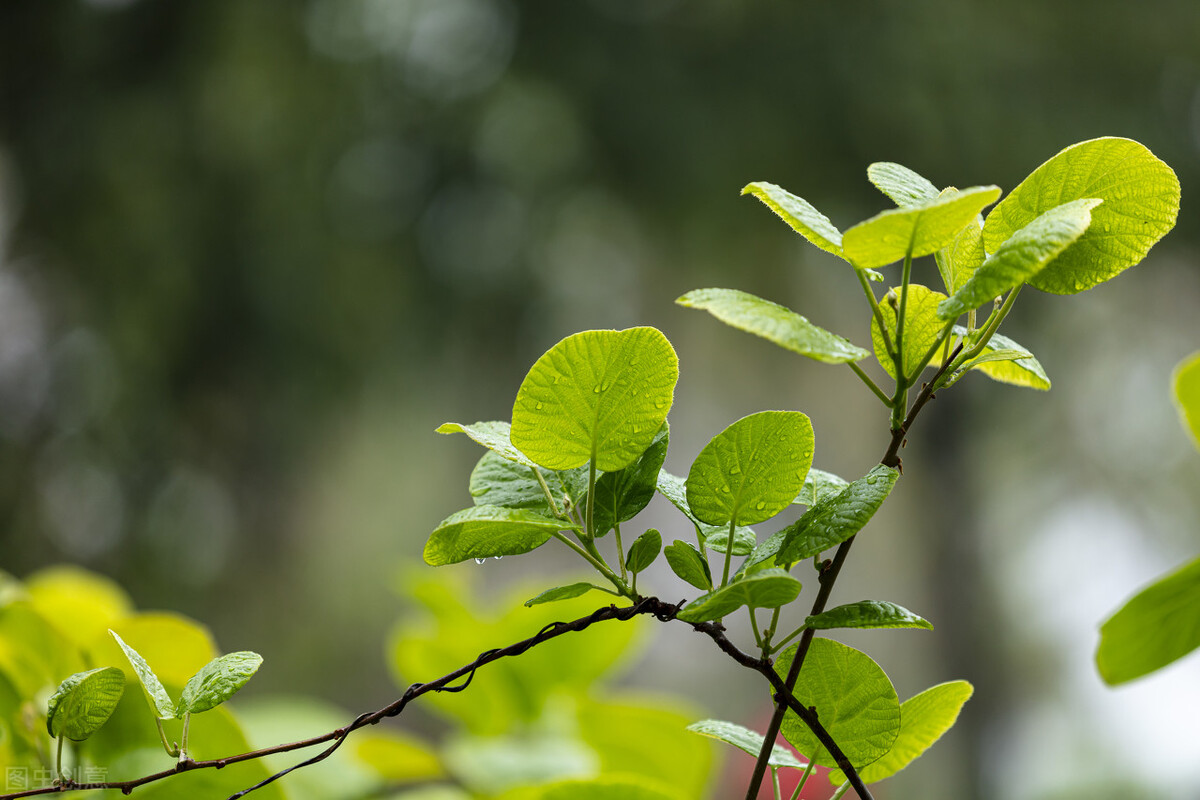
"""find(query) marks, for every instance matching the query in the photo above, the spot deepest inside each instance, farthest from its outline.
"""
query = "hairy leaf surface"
(903, 187)
(957, 261)
(818, 485)
(489, 531)
(567, 592)
(889, 236)
(496, 481)
(746, 740)
(769, 588)
(800, 215)
(836, 519)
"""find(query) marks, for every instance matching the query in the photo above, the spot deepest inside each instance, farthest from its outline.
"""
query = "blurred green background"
(252, 253)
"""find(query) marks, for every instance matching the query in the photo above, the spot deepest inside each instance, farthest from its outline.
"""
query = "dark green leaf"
(622, 494)
(489, 531)
(867, 614)
(1160, 624)
(768, 588)
(217, 681)
(686, 562)
(835, 519)
(644, 550)
(561, 593)
(774, 323)
(800, 215)
(84, 702)
(156, 695)
(854, 699)
(746, 740)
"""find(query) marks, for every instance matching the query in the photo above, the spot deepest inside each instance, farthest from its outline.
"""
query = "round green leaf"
(217, 681)
(923, 720)
(854, 699)
(800, 215)
(156, 695)
(489, 531)
(745, 740)
(598, 395)
(773, 322)
(1141, 203)
(921, 326)
(889, 236)
(1186, 382)
(752, 470)
(768, 588)
(84, 702)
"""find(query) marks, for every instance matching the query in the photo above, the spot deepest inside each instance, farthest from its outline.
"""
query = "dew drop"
(497, 558)
(735, 470)
(871, 481)
(597, 389)
(760, 506)
(480, 560)
(539, 406)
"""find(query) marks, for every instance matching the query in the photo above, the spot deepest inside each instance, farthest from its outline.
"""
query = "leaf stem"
(784, 641)
(942, 340)
(620, 551)
(775, 783)
(887, 401)
(876, 311)
(728, 551)
(989, 330)
(549, 495)
(906, 276)
(596, 562)
(172, 751)
(812, 762)
(58, 761)
(591, 496)
(754, 627)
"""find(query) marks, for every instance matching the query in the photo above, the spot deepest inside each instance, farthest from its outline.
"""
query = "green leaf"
(674, 489)
(217, 681)
(716, 538)
(921, 326)
(81, 604)
(958, 260)
(561, 593)
(156, 696)
(1019, 367)
(924, 718)
(798, 213)
(644, 550)
(1186, 383)
(819, 484)
(84, 702)
(596, 395)
(495, 436)
(746, 740)
(854, 699)
(621, 495)
(485, 531)
(773, 322)
(867, 614)
(904, 187)
(1141, 202)
(496, 481)
(835, 519)
(769, 588)
(622, 787)
(1160, 624)
(685, 561)
(752, 470)
(889, 236)
(1022, 256)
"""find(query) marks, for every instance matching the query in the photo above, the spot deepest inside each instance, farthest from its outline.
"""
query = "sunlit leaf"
(904, 187)
(1141, 202)
(800, 215)
(752, 470)
(889, 236)
(156, 696)
(958, 260)
(84, 702)
(175, 644)
(1186, 383)
(746, 740)
(81, 604)
(621, 495)
(867, 614)
(768, 588)
(854, 700)
(837, 518)
(1160, 624)
(1019, 367)
(489, 531)
(596, 395)
(217, 681)
(685, 561)
(921, 326)
(775, 323)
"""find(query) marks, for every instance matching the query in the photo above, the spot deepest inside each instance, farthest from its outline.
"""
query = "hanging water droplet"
(497, 558)
(871, 480)
(597, 389)
(480, 560)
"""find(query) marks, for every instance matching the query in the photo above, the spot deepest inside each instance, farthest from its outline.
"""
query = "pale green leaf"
(924, 718)
(489, 531)
(800, 215)
(615, 787)
(496, 481)
(644, 551)
(217, 681)
(622, 494)
(1186, 384)
(773, 322)
(854, 700)
(921, 326)
(958, 260)
(1160, 624)
(82, 604)
(889, 236)
(686, 562)
(84, 702)
(746, 740)
(156, 695)
(596, 395)
(752, 470)
(837, 518)
(495, 436)
(768, 588)
(819, 484)
(1022, 256)
(1141, 202)
(1019, 369)
(396, 756)
(904, 187)
(867, 614)
(561, 593)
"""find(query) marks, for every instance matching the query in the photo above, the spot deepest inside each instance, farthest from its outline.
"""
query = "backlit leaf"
(1186, 383)
(489, 531)
(904, 187)
(958, 260)
(685, 561)
(1022, 256)
(769, 588)
(217, 681)
(495, 436)
(81, 604)
(156, 696)
(752, 470)
(867, 614)
(773, 322)
(746, 740)
(1018, 370)
(854, 699)
(921, 326)
(1160, 624)
(837, 518)
(621, 495)
(800, 215)
(887, 237)
(84, 702)
(596, 395)
(1141, 202)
